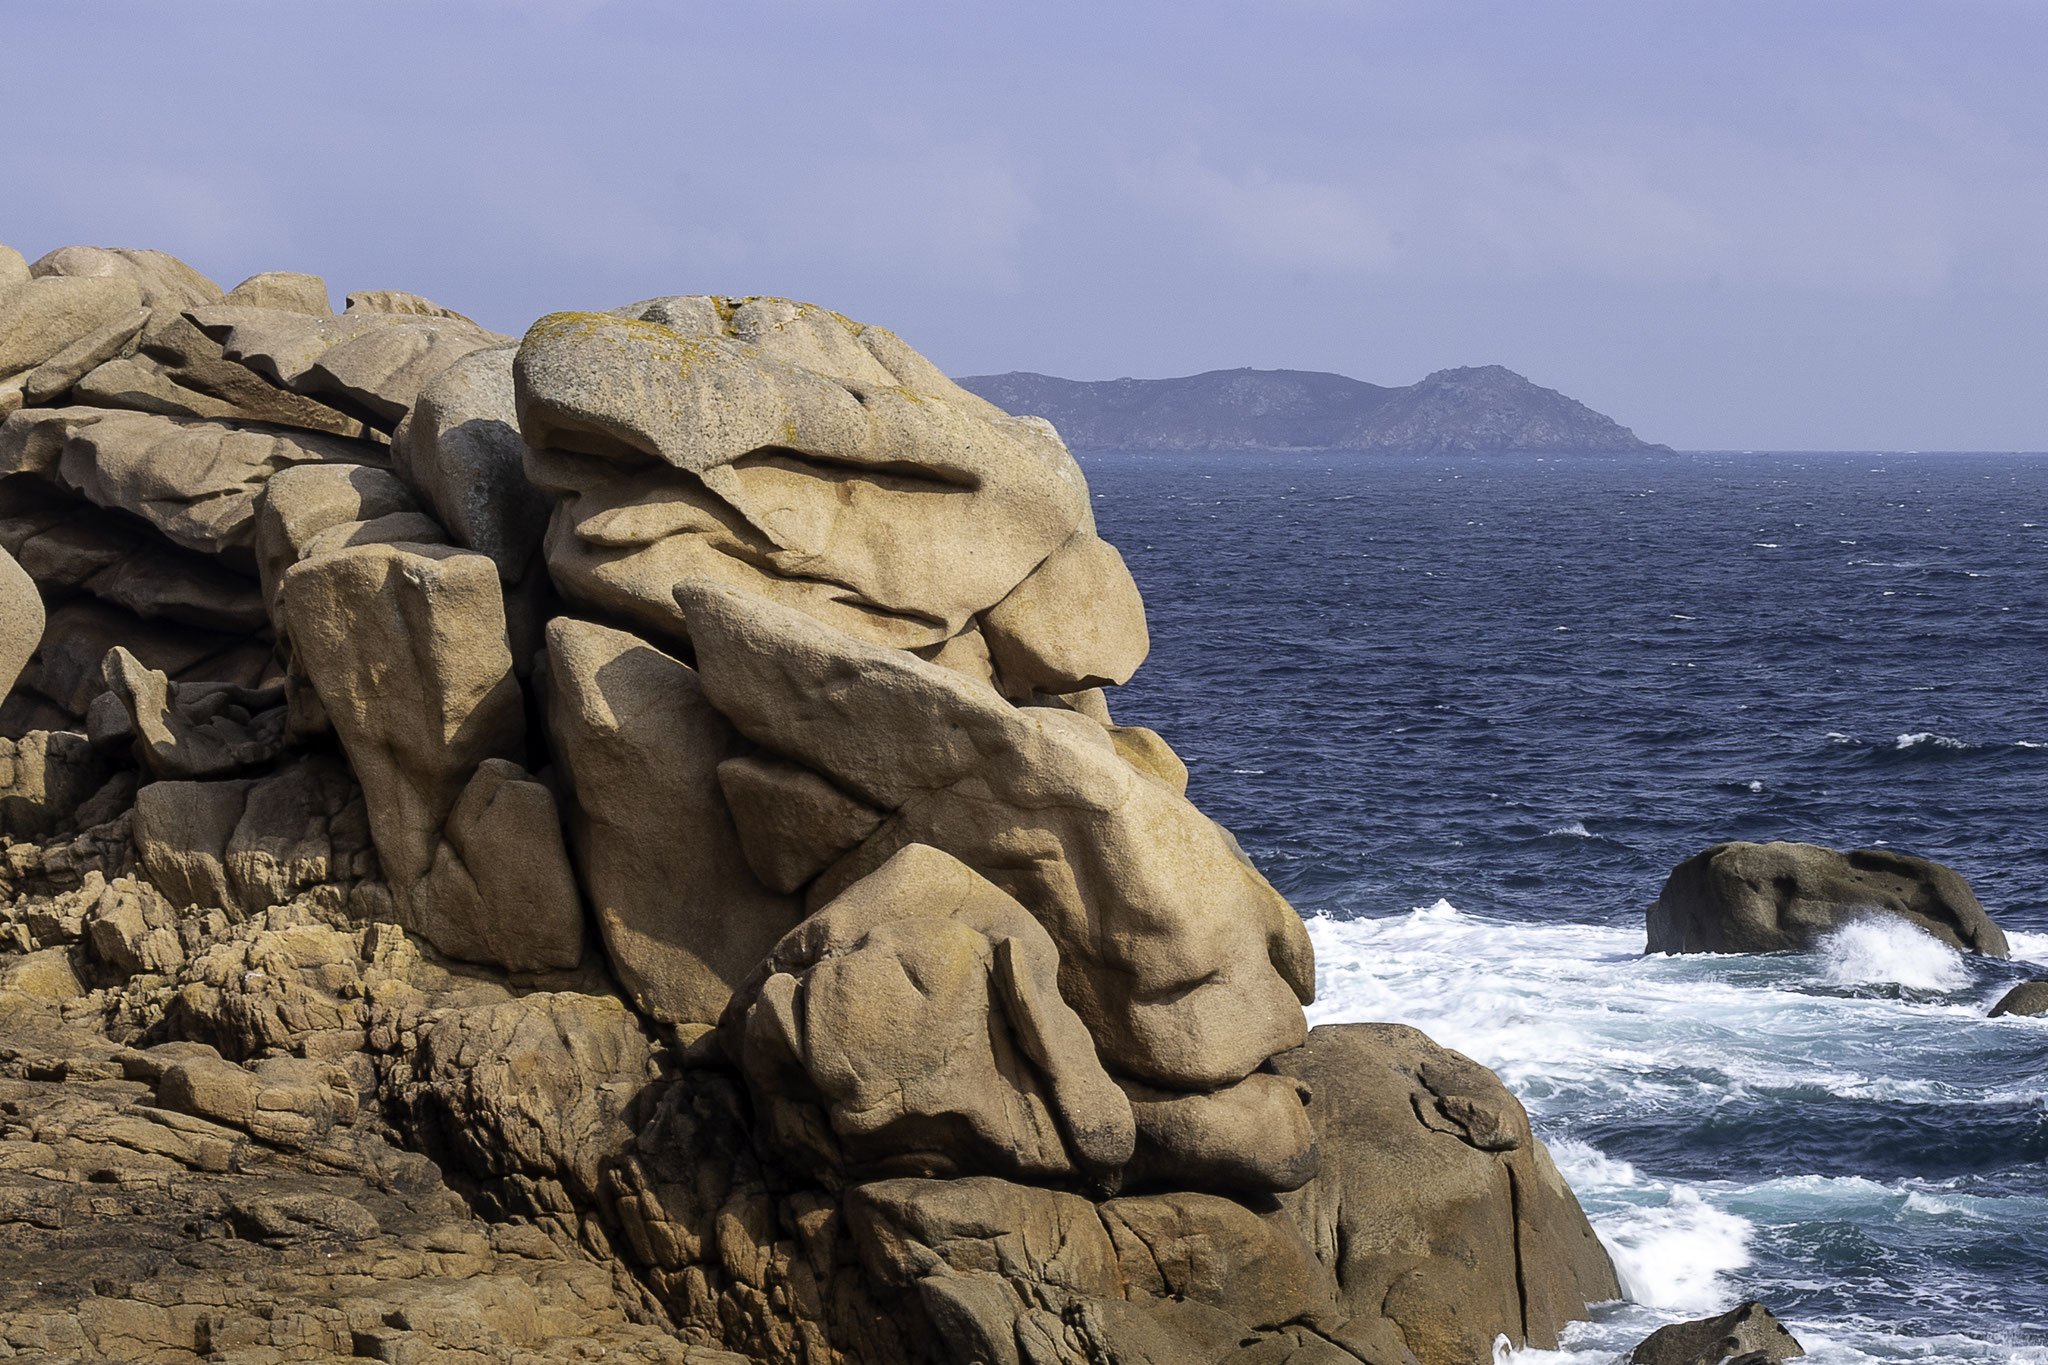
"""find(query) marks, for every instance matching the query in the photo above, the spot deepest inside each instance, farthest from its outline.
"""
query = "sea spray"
(1880, 948)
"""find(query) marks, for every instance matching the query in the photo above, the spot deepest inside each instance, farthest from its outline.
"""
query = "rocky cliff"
(1486, 408)
(615, 842)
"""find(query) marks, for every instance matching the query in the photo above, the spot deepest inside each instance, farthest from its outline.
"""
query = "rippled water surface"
(1469, 712)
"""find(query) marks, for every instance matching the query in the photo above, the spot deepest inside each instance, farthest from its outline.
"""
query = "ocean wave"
(1677, 1254)
(1576, 1020)
(1573, 829)
(1586, 1167)
(1885, 949)
(2027, 947)
(1927, 744)
(1930, 738)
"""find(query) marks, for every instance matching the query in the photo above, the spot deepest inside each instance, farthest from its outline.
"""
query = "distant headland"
(1485, 408)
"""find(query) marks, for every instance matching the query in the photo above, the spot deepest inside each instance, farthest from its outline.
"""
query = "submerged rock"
(1778, 897)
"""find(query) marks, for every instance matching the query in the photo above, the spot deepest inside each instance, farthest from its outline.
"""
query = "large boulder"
(684, 919)
(914, 1026)
(460, 450)
(308, 509)
(1015, 1273)
(405, 646)
(43, 318)
(1188, 969)
(1781, 897)
(69, 546)
(791, 452)
(195, 730)
(178, 370)
(45, 776)
(1747, 1334)
(291, 290)
(1441, 1215)
(195, 481)
(245, 844)
(163, 281)
(21, 620)
(538, 1089)
(369, 363)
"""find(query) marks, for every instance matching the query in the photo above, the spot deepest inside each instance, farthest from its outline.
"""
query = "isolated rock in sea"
(1747, 1334)
(924, 1018)
(2029, 997)
(1777, 897)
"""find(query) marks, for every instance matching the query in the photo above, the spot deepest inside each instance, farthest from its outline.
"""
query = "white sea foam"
(2027, 947)
(1882, 949)
(1577, 1021)
(1585, 1166)
(1677, 1254)
(1575, 829)
(1928, 738)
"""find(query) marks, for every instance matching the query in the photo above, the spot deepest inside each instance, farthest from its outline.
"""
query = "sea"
(1468, 712)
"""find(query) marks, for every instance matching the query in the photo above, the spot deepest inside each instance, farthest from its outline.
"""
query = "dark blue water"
(1469, 712)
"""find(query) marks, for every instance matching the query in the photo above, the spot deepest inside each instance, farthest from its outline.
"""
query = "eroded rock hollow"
(618, 836)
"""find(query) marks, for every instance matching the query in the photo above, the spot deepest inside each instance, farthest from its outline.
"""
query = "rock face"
(21, 620)
(1765, 898)
(1744, 1335)
(1428, 1164)
(615, 843)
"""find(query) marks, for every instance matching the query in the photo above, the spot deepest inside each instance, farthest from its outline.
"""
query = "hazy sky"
(1783, 224)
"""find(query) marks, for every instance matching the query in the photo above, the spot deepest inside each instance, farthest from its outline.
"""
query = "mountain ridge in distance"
(1473, 409)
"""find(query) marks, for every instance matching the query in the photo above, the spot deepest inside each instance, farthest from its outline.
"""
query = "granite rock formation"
(616, 842)
(1781, 897)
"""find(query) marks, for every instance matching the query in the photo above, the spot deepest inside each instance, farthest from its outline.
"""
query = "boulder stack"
(659, 770)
